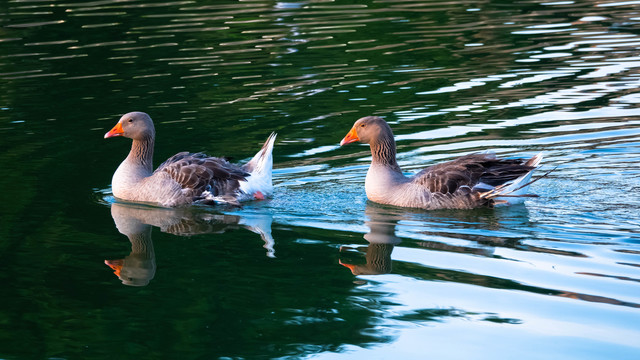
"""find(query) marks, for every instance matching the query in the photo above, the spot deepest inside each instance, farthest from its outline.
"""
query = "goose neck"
(383, 151)
(142, 153)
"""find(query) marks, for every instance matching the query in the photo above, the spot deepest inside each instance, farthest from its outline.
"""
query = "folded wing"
(199, 174)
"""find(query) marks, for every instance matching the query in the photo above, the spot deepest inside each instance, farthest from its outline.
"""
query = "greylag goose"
(185, 178)
(474, 180)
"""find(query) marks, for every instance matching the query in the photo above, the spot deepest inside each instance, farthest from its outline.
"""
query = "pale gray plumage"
(475, 180)
(184, 178)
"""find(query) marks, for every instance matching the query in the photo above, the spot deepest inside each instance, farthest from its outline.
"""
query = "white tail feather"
(259, 168)
(518, 188)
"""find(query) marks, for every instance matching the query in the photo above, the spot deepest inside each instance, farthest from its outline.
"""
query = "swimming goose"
(474, 180)
(185, 178)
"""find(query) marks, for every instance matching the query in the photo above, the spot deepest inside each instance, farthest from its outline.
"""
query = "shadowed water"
(318, 271)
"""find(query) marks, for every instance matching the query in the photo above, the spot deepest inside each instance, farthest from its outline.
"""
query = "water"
(317, 271)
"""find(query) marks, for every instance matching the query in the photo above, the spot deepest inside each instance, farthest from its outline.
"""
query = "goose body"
(185, 178)
(474, 180)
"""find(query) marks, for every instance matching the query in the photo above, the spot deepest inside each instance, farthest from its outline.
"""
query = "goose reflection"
(139, 267)
(381, 237)
(382, 222)
(136, 221)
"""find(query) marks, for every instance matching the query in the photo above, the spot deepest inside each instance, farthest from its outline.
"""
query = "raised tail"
(516, 191)
(259, 183)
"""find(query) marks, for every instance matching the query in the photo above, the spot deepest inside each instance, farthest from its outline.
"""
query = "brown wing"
(468, 171)
(199, 172)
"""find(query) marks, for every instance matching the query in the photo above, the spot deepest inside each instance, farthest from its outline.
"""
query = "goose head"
(135, 125)
(367, 130)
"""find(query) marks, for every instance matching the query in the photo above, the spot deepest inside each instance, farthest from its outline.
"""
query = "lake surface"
(318, 271)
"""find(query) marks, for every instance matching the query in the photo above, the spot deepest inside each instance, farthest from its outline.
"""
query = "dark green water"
(317, 271)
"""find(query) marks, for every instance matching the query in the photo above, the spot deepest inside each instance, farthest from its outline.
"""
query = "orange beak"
(351, 267)
(116, 131)
(115, 265)
(352, 136)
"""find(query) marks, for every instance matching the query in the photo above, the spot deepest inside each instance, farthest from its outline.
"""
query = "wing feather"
(197, 173)
(468, 171)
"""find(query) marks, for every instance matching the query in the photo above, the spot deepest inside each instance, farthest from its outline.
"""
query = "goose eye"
(361, 125)
(130, 120)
